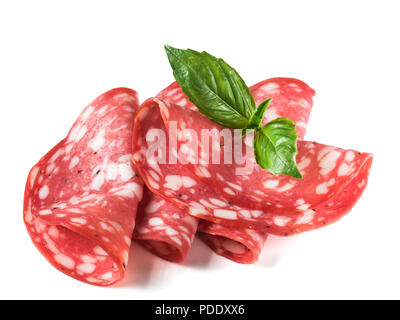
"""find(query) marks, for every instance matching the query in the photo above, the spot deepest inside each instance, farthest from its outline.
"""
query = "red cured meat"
(158, 240)
(81, 198)
(163, 228)
(292, 98)
(242, 245)
(271, 200)
(331, 210)
(292, 93)
(174, 94)
(172, 235)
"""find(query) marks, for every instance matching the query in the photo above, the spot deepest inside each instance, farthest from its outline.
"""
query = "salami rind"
(326, 172)
(81, 198)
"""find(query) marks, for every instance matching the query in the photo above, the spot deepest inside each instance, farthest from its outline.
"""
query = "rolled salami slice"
(291, 98)
(163, 228)
(81, 198)
(242, 245)
(326, 170)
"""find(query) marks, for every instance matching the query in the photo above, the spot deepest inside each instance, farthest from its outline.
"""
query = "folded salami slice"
(327, 172)
(174, 94)
(81, 198)
(242, 245)
(291, 98)
(163, 228)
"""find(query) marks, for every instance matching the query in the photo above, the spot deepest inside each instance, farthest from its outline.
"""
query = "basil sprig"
(219, 93)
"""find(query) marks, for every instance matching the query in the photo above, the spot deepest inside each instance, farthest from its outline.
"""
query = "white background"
(56, 57)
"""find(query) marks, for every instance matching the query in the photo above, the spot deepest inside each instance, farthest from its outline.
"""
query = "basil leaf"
(214, 87)
(275, 147)
(258, 115)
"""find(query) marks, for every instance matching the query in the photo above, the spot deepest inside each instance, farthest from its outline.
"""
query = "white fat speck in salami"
(271, 184)
(64, 261)
(44, 192)
(156, 222)
(86, 267)
(74, 162)
(87, 259)
(281, 221)
(79, 220)
(328, 162)
(226, 214)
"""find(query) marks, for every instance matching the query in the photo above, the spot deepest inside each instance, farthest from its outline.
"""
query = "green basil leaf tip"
(275, 147)
(213, 86)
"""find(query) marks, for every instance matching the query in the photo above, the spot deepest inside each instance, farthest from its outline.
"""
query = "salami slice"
(242, 245)
(163, 228)
(327, 171)
(291, 98)
(174, 94)
(81, 198)
(292, 93)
